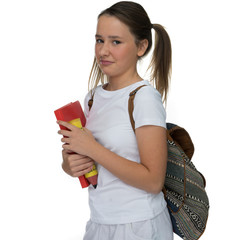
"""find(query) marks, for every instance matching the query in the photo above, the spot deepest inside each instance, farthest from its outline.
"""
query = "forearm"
(148, 175)
(132, 173)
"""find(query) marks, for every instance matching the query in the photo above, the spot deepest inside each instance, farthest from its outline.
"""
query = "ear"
(142, 47)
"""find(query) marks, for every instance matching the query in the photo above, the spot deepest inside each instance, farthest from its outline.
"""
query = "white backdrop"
(46, 52)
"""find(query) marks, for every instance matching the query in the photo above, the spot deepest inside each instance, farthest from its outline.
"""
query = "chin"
(107, 73)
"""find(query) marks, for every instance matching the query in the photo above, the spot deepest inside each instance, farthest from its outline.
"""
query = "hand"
(76, 165)
(75, 139)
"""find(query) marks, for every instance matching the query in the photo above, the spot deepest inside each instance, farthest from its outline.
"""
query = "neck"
(115, 83)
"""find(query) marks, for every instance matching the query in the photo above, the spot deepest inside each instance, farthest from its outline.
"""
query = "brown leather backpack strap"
(131, 105)
(90, 101)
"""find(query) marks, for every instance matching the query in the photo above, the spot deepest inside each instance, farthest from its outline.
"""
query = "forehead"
(110, 25)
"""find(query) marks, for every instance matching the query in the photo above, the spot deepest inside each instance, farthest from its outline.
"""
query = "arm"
(149, 175)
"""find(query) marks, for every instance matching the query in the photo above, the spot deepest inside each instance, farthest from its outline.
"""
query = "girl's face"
(116, 51)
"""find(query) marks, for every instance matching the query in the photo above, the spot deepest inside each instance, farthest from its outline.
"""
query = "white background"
(46, 52)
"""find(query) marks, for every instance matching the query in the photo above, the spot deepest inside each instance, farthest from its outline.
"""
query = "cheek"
(97, 56)
(96, 51)
(121, 53)
(129, 55)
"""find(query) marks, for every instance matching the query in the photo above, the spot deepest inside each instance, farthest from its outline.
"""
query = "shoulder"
(148, 108)
(148, 93)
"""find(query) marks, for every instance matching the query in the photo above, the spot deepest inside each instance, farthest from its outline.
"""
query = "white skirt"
(158, 228)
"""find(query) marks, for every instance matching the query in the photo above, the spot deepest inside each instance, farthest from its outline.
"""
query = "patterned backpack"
(184, 187)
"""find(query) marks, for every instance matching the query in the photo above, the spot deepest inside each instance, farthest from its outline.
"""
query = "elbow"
(156, 187)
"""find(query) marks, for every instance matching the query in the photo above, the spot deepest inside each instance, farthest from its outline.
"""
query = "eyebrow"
(99, 36)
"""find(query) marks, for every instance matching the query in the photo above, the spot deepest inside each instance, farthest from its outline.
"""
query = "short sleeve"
(148, 108)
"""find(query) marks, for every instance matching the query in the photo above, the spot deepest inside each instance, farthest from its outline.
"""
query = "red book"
(67, 113)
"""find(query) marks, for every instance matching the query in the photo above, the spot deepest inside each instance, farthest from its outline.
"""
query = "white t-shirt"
(113, 201)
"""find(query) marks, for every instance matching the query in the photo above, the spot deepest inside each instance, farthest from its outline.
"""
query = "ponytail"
(161, 62)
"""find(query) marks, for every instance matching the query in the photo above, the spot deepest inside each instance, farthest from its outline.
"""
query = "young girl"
(128, 202)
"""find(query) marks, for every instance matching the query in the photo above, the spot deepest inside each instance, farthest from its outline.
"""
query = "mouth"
(105, 62)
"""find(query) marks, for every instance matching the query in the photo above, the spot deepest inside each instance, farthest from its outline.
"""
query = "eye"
(99, 40)
(116, 42)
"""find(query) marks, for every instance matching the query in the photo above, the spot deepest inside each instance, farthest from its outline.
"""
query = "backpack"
(184, 187)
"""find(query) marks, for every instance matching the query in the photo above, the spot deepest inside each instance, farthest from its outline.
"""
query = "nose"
(104, 49)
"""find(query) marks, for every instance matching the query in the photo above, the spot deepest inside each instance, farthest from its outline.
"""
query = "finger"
(79, 158)
(66, 124)
(66, 147)
(79, 166)
(67, 153)
(64, 132)
(65, 140)
(83, 158)
(81, 173)
(72, 157)
(74, 161)
(64, 152)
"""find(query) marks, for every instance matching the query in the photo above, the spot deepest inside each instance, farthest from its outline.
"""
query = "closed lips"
(105, 62)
